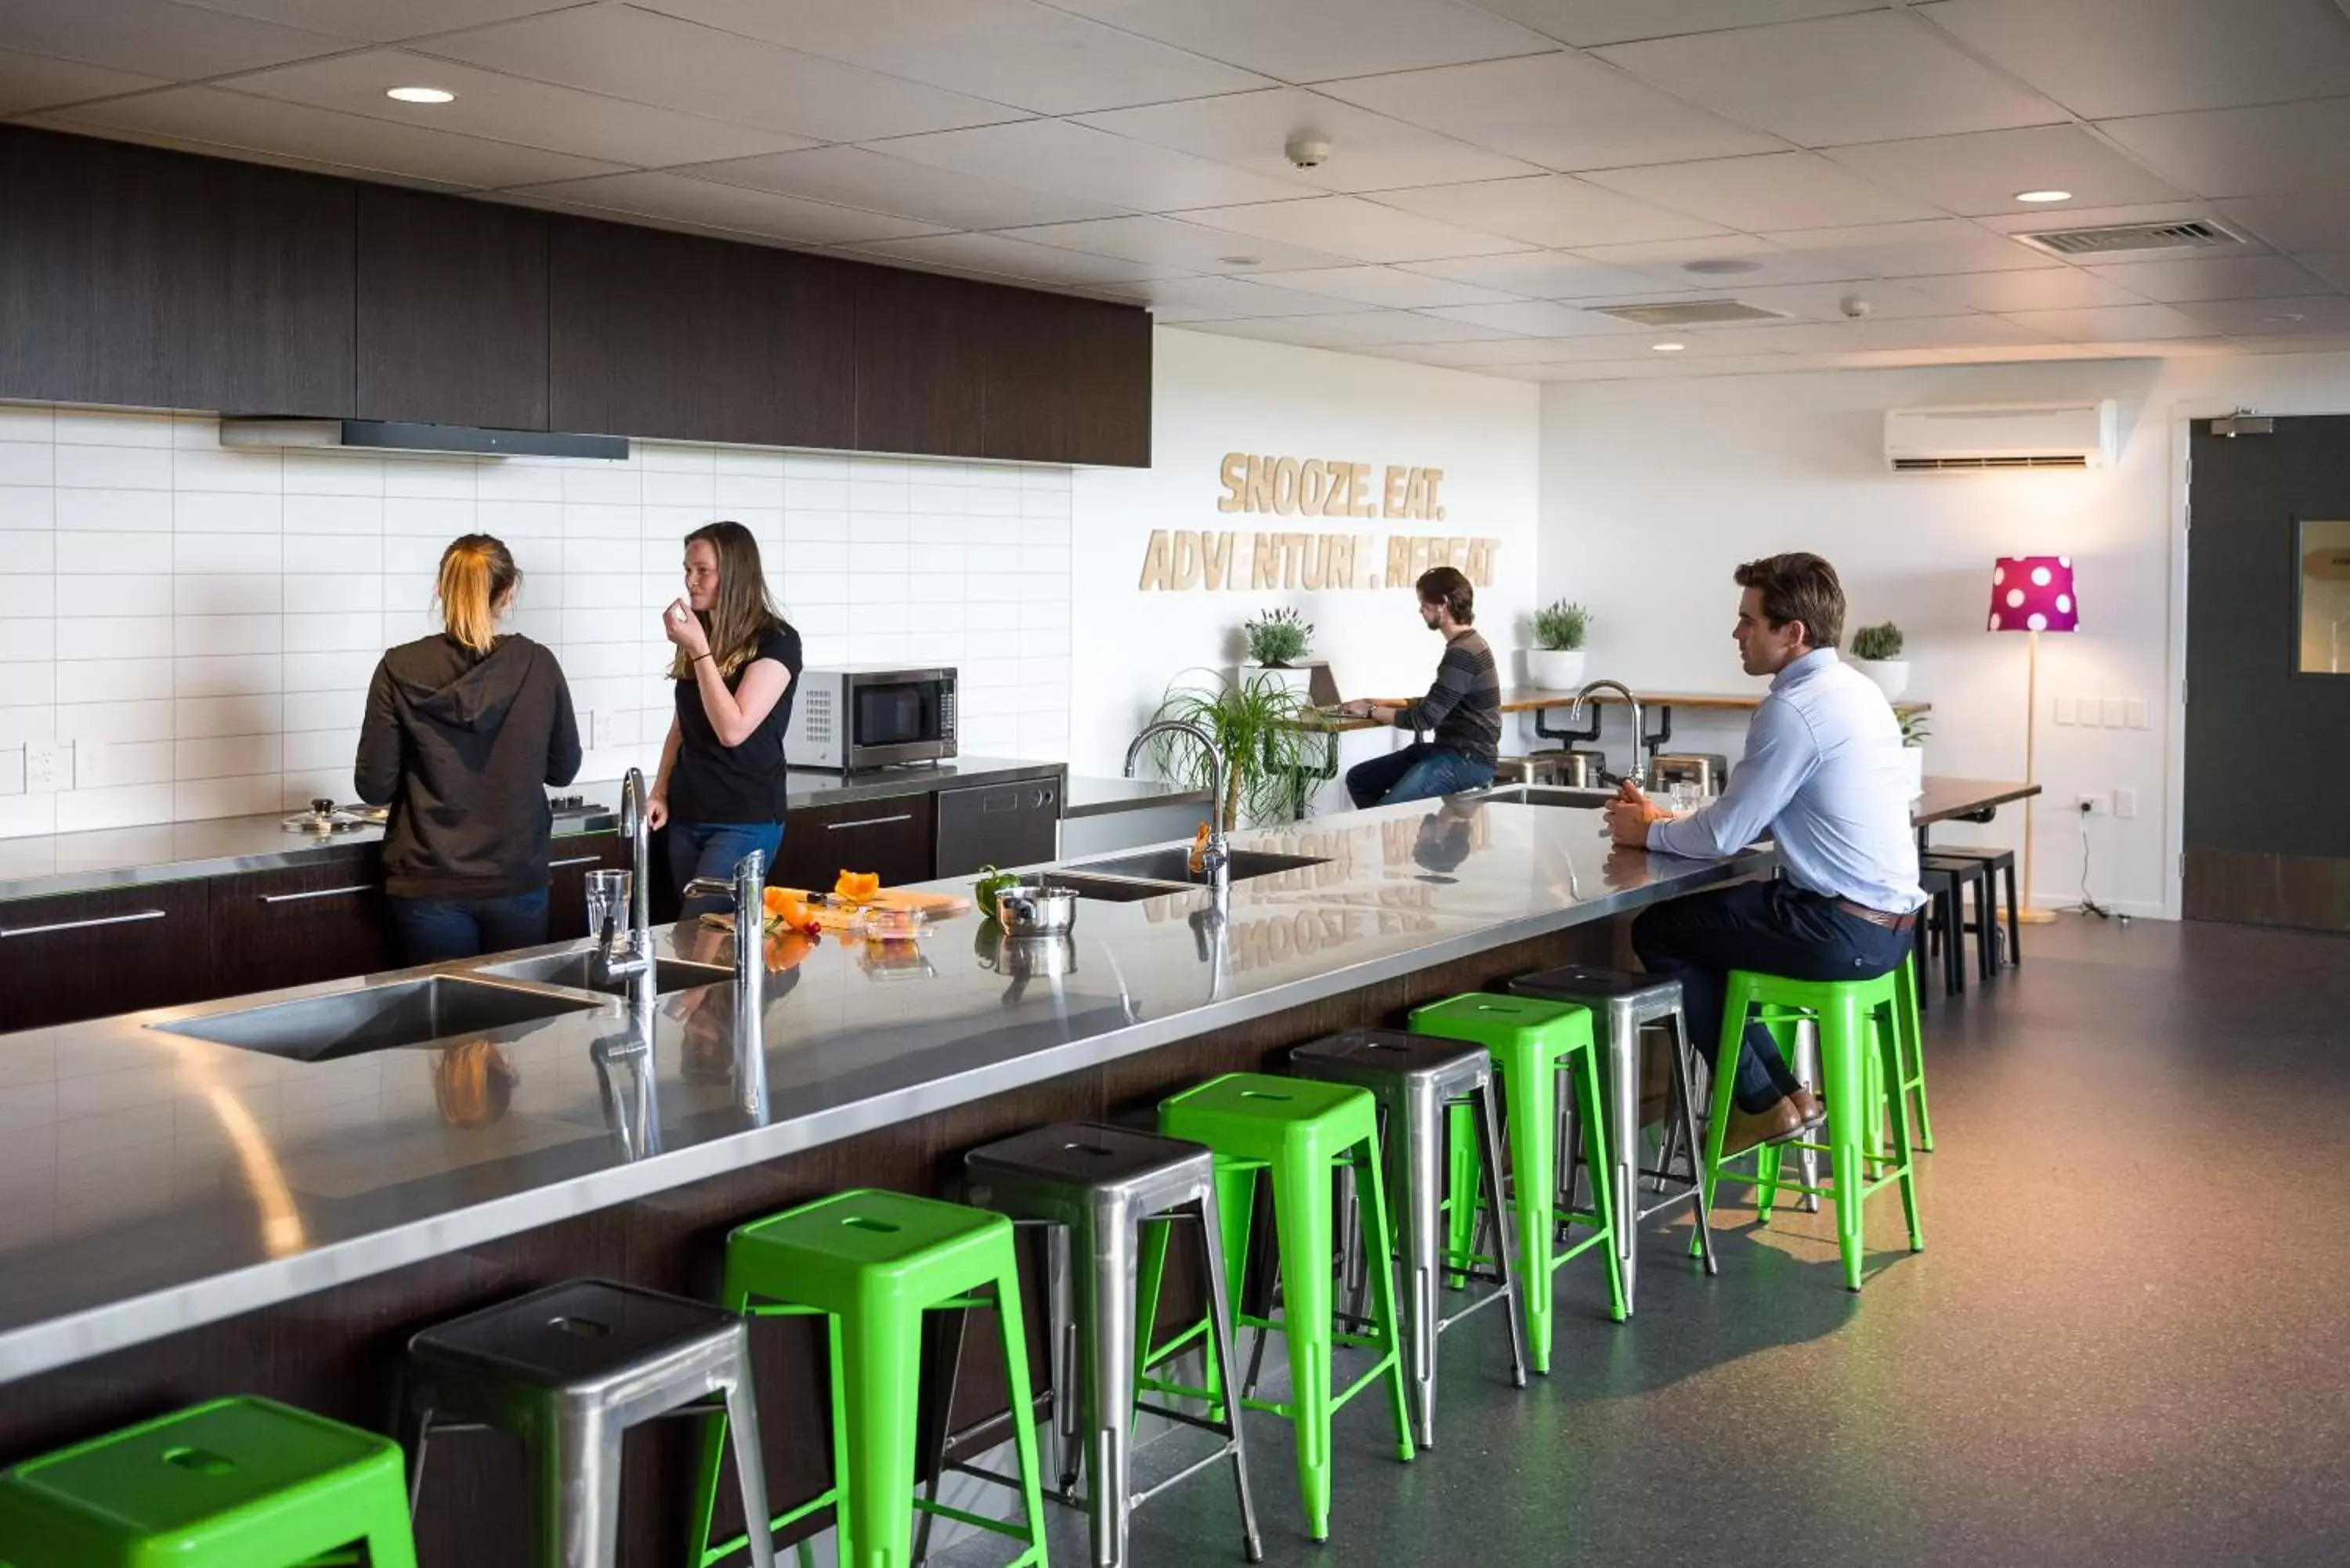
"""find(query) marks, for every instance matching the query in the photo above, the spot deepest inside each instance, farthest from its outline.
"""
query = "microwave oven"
(850, 717)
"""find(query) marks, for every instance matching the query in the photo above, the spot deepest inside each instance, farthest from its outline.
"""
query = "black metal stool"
(1941, 915)
(1999, 862)
(1971, 877)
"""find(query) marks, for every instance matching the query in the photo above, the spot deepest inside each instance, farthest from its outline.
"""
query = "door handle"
(574, 860)
(136, 916)
(314, 893)
(870, 822)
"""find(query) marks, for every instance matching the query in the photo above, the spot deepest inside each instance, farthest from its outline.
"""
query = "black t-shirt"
(734, 784)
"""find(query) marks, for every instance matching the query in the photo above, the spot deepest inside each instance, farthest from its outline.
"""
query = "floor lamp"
(2033, 593)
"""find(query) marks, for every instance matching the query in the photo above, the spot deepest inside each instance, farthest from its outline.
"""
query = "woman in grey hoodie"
(464, 733)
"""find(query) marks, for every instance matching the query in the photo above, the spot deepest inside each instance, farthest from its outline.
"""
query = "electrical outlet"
(49, 767)
(2116, 713)
(2089, 805)
(2138, 715)
(2068, 709)
(92, 765)
(2125, 803)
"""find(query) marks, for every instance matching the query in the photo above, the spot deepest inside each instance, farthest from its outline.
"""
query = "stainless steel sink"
(1173, 865)
(435, 1010)
(1109, 890)
(575, 970)
(1550, 794)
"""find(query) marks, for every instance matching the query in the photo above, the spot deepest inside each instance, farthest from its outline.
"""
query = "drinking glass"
(609, 893)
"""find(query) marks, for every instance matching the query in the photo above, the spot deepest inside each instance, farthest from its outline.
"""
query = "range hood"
(393, 436)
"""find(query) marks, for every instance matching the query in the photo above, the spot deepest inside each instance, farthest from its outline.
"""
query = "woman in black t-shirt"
(721, 785)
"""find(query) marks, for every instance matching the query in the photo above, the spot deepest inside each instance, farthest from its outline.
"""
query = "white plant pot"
(1914, 759)
(1891, 675)
(1555, 668)
(1298, 679)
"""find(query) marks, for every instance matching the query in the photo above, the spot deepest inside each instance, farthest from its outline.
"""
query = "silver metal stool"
(1097, 1186)
(570, 1368)
(1621, 1004)
(1417, 1079)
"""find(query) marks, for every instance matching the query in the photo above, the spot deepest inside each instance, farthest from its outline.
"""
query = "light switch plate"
(2067, 710)
(2137, 714)
(92, 765)
(2116, 713)
(49, 767)
(2125, 803)
(12, 770)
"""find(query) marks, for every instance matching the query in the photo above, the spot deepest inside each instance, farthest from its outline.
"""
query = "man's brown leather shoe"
(1783, 1120)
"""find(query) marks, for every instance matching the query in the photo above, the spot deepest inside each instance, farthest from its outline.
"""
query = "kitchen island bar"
(190, 1218)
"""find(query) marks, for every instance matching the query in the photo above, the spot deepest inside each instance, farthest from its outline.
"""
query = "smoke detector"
(1307, 151)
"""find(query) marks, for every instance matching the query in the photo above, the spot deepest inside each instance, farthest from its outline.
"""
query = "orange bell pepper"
(856, 887)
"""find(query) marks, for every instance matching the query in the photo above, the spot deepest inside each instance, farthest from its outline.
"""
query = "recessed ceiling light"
(2286, 315)
(1240, 261)
(2043, 195)
(420, 95)
(1668, 347)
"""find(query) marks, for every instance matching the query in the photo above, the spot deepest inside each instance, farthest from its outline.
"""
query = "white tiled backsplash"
(199, 624)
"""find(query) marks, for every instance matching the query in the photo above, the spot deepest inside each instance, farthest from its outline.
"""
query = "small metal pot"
(1034, 909)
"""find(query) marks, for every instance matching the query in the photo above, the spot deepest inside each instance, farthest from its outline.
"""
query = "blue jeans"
(434, 930)
(711, 849)
(1773, 928)
(1421, 771)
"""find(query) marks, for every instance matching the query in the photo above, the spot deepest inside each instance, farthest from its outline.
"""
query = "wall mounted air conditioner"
(1991, 436)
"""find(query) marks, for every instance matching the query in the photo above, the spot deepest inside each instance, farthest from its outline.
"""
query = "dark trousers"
(1421, 771)
(1772, 928)
(711, 849)
(434, 930)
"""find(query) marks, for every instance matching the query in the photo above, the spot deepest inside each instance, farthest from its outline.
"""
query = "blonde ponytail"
(476, 574)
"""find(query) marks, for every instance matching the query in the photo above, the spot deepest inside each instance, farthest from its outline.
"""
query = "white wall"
(1653, 490)
(201, 623)
(1214, 395)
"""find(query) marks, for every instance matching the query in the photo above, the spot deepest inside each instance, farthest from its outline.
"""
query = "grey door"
(2267, 824)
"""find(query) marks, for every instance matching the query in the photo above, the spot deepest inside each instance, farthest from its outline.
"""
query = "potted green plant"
(1913, 751)
(1279, 641)
(1555, 660)
(1876, 653)
(1266, 732)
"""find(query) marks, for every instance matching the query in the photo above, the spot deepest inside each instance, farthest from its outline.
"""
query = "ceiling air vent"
(2195, 234)
(1699, 313)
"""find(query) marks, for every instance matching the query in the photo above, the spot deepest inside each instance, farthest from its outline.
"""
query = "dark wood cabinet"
(452, 311)
(1068, 380)
(567, 866)
(321, 921)
(88, 955)
(892, 838)
(921, 346)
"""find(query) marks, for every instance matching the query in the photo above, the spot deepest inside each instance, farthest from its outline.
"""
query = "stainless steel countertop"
(1100, 798)
(156, 1181)
(180, 851)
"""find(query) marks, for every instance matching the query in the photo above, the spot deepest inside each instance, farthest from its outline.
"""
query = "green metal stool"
(1862, 1081)
(1533, 1041)
(1912, 1040)
(1299, 1133)
(872, 1263)
(235, 1483)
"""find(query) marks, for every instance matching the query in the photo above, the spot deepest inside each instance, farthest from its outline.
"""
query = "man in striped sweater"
(1461, 715)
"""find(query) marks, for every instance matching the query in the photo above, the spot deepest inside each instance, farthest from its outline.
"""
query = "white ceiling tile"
(1549, 210)
(2314, 222)
(1543, 275)
(2045, 288)
(2110, 324)
(1003, 257)
(1868, 77)
(509, 108)
(1982, 172)
(1250, 130)
(1828, 301)
(1066, 160)
(1912, 250)
(1355, 229)
(702, 202)
(2280, 150)
(1758, 262)
(1011, 51)
(1353, 330)
(1563, 111)
(1385, 285)
(1314, 40)
(154, 38)
(1867, 335)
(1495, 351)
(1171, 246)
(2258, 318)
(631, 52)
(2108, 57)
(854, 177)
(1773, 191)
(1541, 318)
(378, 22)
(2210, 278)
(2334, 266)
(236, 121)
(1588, 23)
(1227, 298)
(35, 81)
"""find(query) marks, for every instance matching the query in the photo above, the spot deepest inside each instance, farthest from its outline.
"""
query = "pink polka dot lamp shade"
(2033, 593)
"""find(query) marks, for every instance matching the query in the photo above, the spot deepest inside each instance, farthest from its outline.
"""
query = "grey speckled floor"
(2128, 1340)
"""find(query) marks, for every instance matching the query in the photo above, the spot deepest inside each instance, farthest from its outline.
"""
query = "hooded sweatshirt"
(462, 745)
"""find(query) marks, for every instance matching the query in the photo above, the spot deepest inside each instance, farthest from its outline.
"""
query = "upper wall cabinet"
(452, 311)
(922, 345)
(1068, 380)
(158, 279)
(655, 334)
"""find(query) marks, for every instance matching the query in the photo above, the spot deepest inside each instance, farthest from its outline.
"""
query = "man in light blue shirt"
(1823, 778)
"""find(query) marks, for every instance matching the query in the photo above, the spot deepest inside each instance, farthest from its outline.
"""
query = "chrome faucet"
(1638, 776)
(748, 889)
(1216, 860)
(615, 959)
